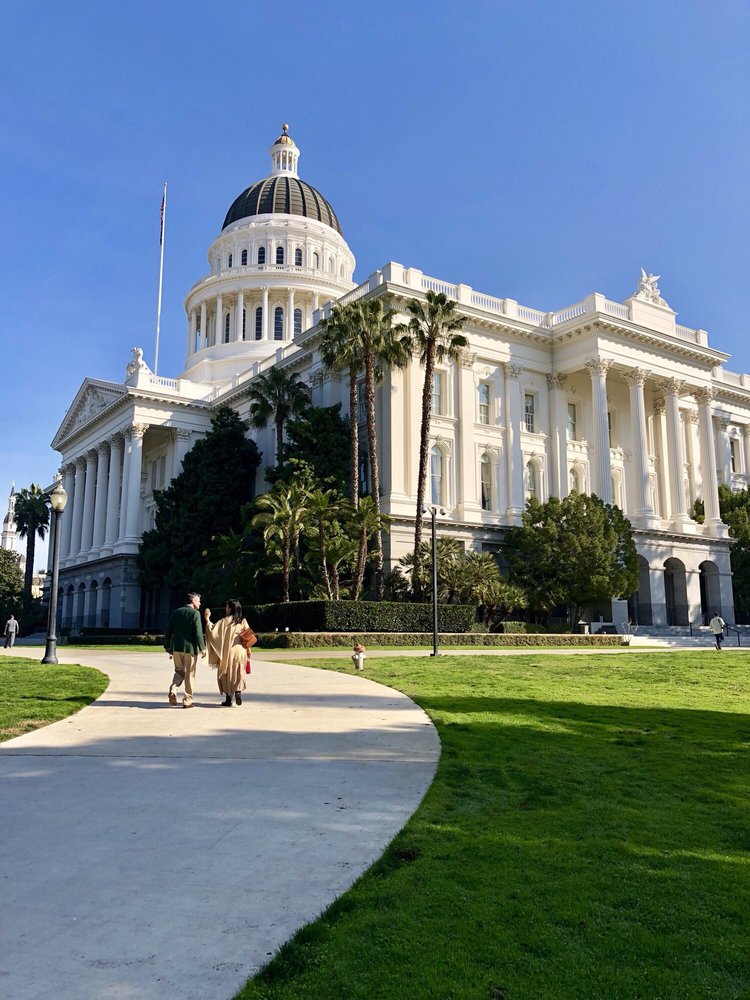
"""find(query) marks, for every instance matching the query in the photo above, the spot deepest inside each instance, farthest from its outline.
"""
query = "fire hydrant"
(358, 657)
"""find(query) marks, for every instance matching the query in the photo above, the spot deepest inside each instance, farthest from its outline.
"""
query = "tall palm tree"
(32, 519)
(278, 395)
(323, 508)
(282, 515)
(367, 521)
(434, 331)
(340, 349)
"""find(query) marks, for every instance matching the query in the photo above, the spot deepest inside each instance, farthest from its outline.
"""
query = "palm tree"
(32, 519)
(433, 330)
(323, 509)
(340, 350)
(278, 395)
(282, 515)
(367, 521)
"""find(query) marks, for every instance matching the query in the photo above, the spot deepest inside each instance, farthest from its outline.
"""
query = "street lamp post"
(433, 512)
(58, 498)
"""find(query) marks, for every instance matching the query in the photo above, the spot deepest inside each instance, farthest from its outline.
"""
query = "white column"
(660, 435)
(466, 390)
(598, 368)
(133, 511)
(704, 398)
(192, 325)
(219, 335)
(181, 448)
(100, 500)
(77, 518)
(316, 301)
(266, 317)
(513, 454)
(693, 453)
(725, 451)
(87, 521)
(238, 332)
(69, 481)
(204, 330)
(746, 449)
(641, 508)
(559, 480)
(675, 442)
(114, 487)
(290, 314)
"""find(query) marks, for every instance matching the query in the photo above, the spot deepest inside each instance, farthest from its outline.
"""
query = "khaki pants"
(184, 670)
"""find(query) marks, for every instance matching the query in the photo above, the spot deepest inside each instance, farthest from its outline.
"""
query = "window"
(226, 329)
(532, 481)
(298, 257)
(244, 323)
(483, 393)
(243, 258)
(230, 259)
(528, 412)
(733, 454)
(364, 471)
(609, 429)
(436, 475)
(437, 393)
(361, 408)
(259, 323)
(261, 255)
(330, 264)
(485, 476)
(298, 321)
(316, 260)
(572, 435)
(279, 255)
(573, 482)
(278, 323)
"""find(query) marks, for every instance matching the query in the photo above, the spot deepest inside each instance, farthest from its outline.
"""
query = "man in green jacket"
(183, 640)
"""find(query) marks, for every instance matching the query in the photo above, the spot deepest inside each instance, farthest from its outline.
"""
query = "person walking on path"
(717, 627)
(11, 631)
(183, 640)
(227, 652)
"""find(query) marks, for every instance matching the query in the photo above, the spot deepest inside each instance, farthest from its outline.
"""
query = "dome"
(283, 194)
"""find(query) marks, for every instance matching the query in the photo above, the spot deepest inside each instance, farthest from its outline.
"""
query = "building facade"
(612, 398)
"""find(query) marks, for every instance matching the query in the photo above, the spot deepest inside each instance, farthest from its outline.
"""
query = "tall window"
(528, 412)
(572, 434)
(532, 481)
(278, 323)
(733, 454)
(230, 260)
(261, 255)
(244, 324)
(437, 393)
(226, 329)
(485, 476)
(362, 409)
(298, 321)
(483, 393)
(279, 255)
(364, 471)
(316, 260)
(298, 257)
(259, 323)
(243, 258)
(436, 475)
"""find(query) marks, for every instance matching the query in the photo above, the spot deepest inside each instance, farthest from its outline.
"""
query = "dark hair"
(191, 595)
(234, 610)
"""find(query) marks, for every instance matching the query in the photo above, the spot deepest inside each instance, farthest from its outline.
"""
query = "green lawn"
(33, 694)
(587, 836)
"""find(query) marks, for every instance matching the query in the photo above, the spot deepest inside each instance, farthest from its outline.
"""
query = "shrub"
(318, 640)
(359, 616)
(517, 627)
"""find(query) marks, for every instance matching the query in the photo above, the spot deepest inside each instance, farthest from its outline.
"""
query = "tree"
(577, 551)
(735, 512)
(32, 519)
(202, 503)
(324, 509)
(366, 522)
(319, 439)
(277, 395)
(340, 350)
(282, 514)
(11, 583)
(434, 331)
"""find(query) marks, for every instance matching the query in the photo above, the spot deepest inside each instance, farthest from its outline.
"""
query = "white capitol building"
(612, 398)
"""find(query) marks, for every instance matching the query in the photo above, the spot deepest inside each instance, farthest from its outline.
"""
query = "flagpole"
(161, 274)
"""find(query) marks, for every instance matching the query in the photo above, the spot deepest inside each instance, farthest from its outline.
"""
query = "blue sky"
(535, 150)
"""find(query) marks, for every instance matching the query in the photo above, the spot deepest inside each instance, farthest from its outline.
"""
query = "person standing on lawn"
(717, 627)
(183, 640)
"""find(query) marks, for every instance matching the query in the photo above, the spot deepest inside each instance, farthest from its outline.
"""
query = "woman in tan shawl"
(226, 652)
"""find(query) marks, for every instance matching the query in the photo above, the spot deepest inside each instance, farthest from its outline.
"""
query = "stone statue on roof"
(648, 290)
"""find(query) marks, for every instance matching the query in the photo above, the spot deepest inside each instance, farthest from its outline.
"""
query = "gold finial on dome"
(285, 137)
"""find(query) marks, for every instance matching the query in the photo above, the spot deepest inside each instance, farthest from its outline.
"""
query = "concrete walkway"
(151, 852)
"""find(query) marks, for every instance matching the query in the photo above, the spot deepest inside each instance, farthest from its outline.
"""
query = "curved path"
(152, 852)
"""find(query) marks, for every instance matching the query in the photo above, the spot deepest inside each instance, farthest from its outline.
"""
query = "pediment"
(91, 400)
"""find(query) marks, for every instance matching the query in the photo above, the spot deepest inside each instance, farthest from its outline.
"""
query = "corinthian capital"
(703, 397)
(598, 366)
(556, 380)
(466, 358)
(672, 386)
(513, 371)
(636, 376)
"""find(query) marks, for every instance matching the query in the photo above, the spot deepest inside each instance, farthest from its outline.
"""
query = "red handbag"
(247, 665)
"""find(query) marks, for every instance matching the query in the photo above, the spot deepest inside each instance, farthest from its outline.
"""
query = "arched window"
(244, 325)
(279, 255)
(485, 476)
(230, 260)
(330, 264)
(243, 258)
(261, 255)
(316, 260)
(259, 323)
(298, 321)
(436, 475)
(278, 323)
(532, 480)
(298, 257)
(226, 329)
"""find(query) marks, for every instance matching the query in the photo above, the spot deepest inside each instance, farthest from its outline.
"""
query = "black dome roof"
(282, 195)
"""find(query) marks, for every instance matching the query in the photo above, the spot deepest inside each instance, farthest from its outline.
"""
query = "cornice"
(671, 345)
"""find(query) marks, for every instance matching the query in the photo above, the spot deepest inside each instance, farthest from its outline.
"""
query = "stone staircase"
(680, 637)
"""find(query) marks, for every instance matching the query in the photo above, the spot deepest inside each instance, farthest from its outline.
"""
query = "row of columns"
(205, 324)
(324, 252)
(104, 490)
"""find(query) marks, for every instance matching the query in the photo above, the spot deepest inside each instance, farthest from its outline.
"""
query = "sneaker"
(172, 699)
(238, 697)
(188, 704)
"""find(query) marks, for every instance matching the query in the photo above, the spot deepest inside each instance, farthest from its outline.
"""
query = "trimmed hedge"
(322, 640)
(124, 639)
(359, 616)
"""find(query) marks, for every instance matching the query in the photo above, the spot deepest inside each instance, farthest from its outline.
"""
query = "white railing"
(356, 293)
(532, 315)
(616, 309)
(488, 302)
(579, 309)
(439, 286)
(686, 332)
(165, 383)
